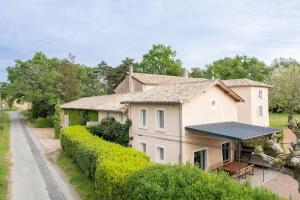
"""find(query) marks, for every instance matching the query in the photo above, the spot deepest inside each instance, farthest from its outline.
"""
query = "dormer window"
(260, 94)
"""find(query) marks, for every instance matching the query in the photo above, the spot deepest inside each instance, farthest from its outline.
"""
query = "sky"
(199, 30)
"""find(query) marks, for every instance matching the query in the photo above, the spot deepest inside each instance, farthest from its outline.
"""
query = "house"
(181, 119)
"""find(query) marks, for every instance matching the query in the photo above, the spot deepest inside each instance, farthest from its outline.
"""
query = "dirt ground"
(47, 141)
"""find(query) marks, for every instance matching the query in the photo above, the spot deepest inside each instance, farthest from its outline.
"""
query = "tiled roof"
(244, 83)
(105, 102)
(177, 93)
(233, 130)
(155, 79)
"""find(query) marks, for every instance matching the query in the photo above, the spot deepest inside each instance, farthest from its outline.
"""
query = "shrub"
(44, 122)
(112, 130)
(188, 182)
(105, 162)
(57, 120)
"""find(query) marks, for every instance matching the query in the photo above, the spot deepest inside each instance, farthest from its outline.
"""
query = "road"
(33, 177)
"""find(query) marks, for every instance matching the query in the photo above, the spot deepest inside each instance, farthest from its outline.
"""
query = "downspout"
(180, 133)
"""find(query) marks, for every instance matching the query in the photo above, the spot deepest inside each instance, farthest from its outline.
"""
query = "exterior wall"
(116, 115)
(195, 142)
(256, 102)
(123, 87)
(248, 112)
(168, 138)
(200, 111)
(197, 111)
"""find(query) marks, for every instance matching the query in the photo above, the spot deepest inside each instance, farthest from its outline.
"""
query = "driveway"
(33, 177)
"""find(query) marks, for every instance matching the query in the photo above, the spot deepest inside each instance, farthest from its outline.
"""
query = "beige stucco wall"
(197, 111)
(123, 86)
(153, 137)
(194, 141)
(200, 111)
(248, 112)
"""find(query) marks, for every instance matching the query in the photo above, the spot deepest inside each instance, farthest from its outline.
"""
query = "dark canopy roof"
(233, 130)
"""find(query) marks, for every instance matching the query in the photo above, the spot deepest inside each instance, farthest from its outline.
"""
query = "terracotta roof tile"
(244, 83)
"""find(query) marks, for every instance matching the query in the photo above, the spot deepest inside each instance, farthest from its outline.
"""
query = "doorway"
(200, 158)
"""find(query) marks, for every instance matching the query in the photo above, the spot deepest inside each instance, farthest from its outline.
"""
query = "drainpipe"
(180, 133)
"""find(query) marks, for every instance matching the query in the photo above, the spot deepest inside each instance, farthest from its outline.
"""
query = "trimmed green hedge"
(188, 182)
(105, 162)
(76, 117)
(111, 130)
(44, 123)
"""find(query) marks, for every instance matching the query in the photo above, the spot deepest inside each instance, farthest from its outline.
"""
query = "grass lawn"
(4, 148)
(279, 120)
(83, 185)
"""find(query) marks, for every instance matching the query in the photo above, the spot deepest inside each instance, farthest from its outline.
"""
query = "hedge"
(188, 182)
(105, 162)
(111, 130)
(75, 116)
(44, 123)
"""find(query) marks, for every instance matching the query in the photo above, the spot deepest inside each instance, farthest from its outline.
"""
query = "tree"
(89, 83)
(43, 81)
(285, 94)
(110, 76)
(160, 59)
(57, 121)
(236, 67)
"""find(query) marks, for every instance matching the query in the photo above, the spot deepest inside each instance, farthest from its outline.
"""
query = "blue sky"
(199, 30)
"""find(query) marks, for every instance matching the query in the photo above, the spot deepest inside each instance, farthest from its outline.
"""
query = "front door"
(226, 152)
(200, 158)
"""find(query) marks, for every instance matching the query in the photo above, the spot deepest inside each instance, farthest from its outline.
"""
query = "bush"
(112, 130)
(44, 123)
(188, 182)
(105, 162)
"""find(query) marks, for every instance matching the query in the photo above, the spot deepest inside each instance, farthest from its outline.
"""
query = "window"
(213, 103)
(160, 115)
(143, 118)
(107, 114)
(226, 151)
(200, 158)
(160, 154)
(143, 147)
(260, 111)
(260, 94)
(121, 119)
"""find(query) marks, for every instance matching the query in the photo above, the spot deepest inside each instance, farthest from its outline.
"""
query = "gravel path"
(33, 177)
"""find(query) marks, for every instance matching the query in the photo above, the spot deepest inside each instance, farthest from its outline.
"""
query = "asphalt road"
(33, 177)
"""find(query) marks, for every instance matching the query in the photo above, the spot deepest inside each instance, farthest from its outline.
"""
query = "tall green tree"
(110, 76)
(285, 94)
(160, 59)
(43, 81)
(235, 67)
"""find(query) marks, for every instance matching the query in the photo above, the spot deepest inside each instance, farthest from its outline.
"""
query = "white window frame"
(230, 145)
(156, 119)
(141, 146)
(157, 154)
(140, 118)
(206, 159)
(260, 94)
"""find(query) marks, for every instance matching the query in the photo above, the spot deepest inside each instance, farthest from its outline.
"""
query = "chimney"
(130, 87)
(130, 69)
(186, 72)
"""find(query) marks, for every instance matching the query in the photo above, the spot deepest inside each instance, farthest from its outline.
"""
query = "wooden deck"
(235, 167)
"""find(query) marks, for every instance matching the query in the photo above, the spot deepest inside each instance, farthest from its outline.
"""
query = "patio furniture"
(238, 168)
